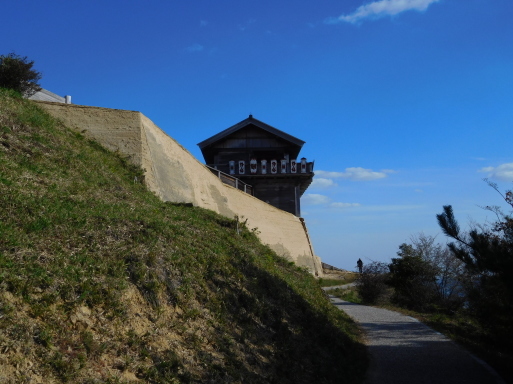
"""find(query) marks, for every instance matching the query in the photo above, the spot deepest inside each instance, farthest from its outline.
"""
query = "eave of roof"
(255, 122)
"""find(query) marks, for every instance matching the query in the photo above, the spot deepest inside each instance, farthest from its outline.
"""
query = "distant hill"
(102, 282)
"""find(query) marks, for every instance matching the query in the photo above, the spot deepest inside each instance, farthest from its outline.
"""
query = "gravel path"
(403, 350)
(345, 286)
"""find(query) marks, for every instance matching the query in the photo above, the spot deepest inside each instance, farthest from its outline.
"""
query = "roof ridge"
(244, 123)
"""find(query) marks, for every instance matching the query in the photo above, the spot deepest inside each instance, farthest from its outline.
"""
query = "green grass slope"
(101, 282)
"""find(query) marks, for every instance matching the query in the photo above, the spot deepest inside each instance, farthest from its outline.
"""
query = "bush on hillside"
(16, 73)
(426, 276)
(413, 279)
(450, 275)
(372, 283)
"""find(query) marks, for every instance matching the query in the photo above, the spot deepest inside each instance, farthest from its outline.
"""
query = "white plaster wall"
(175, 175)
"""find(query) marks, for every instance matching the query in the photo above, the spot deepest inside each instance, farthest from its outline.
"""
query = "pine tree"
(487, 252)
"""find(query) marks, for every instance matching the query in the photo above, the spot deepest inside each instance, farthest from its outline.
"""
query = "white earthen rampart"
(175, 175)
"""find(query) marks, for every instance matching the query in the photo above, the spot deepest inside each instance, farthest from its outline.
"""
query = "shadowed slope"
(100, 281)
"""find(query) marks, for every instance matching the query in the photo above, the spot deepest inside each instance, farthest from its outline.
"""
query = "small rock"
(129, 376)
(82, 315)
(84, 311)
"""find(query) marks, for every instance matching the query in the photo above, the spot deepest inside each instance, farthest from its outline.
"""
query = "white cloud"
(356, 174)
(195, 48)
(344, 205)
(314, 199)
(382, 8)
(502, 172)
(319, 182)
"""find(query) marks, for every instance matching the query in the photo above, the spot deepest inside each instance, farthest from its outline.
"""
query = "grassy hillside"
(101, 282)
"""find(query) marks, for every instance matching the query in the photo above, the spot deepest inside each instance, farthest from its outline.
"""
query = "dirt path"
(345, 286)
(403, 350)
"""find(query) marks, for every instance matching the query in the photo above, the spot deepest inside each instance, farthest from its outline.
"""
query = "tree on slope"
(413, 278)
(487, 252)
(16, 73)
(426, 276)
(449, 271)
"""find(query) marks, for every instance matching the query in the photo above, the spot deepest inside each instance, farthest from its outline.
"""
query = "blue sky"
(405, 105)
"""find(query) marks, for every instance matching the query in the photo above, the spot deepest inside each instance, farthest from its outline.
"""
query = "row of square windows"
(295, 167)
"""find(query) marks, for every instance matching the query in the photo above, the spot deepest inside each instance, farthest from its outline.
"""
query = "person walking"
(359, 264)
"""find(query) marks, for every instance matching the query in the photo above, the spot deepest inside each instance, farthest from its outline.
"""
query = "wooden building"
(263, 157)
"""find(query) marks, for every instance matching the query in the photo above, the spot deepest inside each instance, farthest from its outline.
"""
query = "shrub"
(426, 276)
(413, 279)
(371, 284)
(16, 73)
